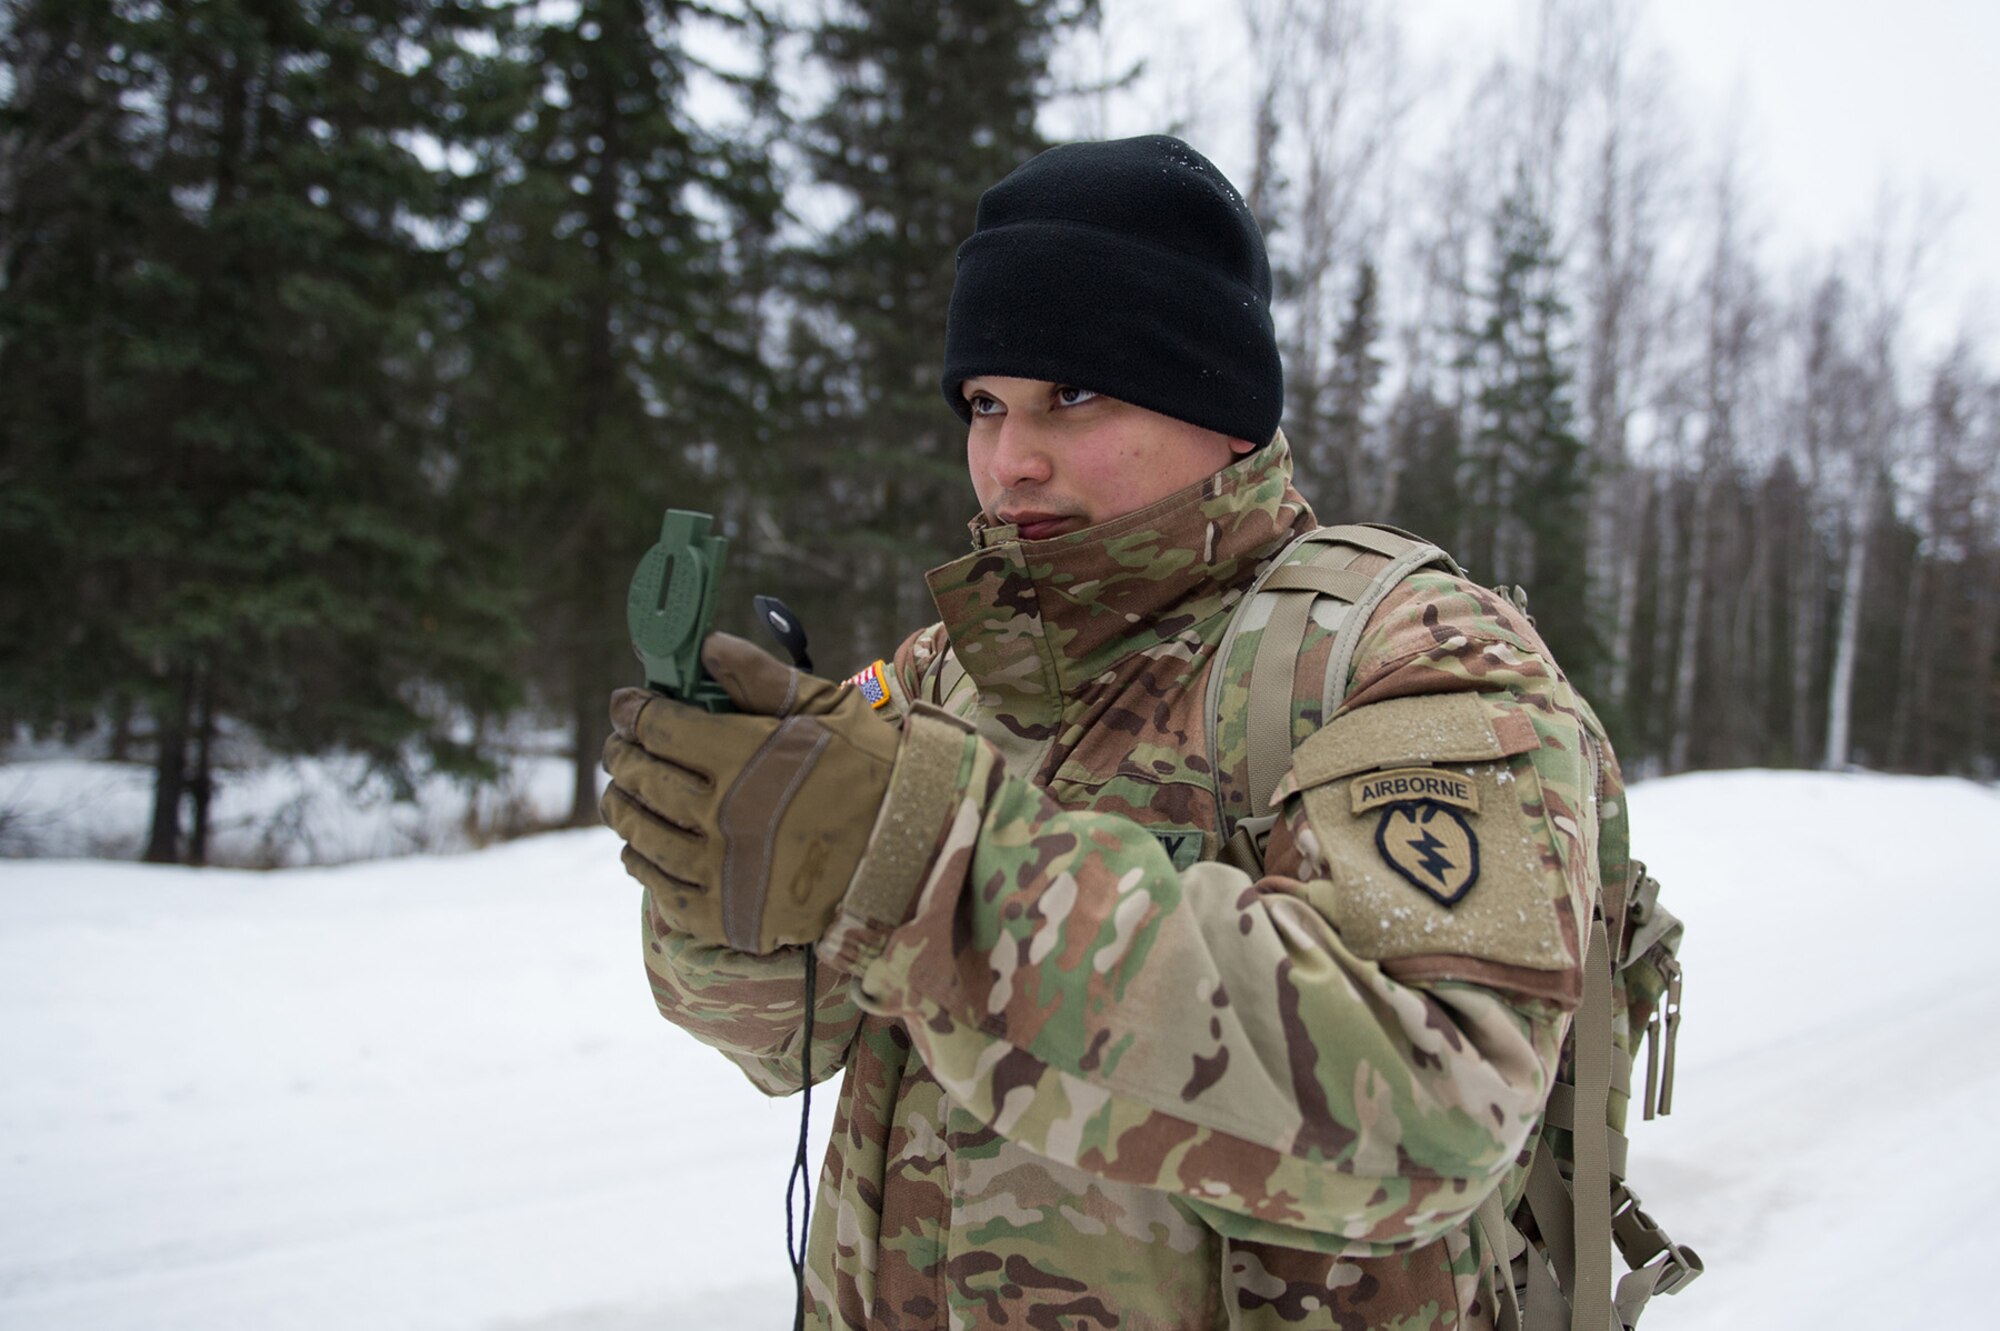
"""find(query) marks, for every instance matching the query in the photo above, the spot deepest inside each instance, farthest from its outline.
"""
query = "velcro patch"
(1431, 846)
(874, 685)
(1184, 845)
(1424, 877)
(1414, 783)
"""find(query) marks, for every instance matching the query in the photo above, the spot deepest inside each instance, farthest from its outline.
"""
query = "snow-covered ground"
(431, 1092)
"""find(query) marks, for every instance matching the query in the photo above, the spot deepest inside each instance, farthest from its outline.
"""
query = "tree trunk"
(170, 775)
(1666, 575)
(1840, 693)
(121, 730)
(1750, 651)
(1913, 682)
(1625, 551)
(202, 788)
(589, 726)
(1694, 599)
(1983, 568)
(1805, 640)
(583, 762)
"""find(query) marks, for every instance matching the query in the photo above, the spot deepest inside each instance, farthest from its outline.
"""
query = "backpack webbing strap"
(1542, 1302)
(1655, 929)
(1561, 1113)
(1660, 1079)
(1574, 1215)
(1499, 1241)
(1296, 585)
(1650, 923)
(1323, 577)
(1580, 1216)
(947, 685)
(1590, 1297)
(1278, 655)
(1415, 555)
(1658, 1264)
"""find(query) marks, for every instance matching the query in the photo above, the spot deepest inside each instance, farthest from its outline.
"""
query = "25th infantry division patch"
(1432, 846)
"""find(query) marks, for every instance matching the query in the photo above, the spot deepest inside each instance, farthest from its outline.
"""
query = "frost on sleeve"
(1210, 1036)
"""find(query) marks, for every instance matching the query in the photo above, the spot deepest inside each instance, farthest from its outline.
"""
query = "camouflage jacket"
(1094, 1080)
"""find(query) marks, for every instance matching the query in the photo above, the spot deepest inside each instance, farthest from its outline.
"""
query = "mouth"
(1034, 526)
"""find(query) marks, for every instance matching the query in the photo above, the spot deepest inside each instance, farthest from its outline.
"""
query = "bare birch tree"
(1895, 260)
(1329, 109)
(1623, 231)
(1981, 524)
(1728, 303)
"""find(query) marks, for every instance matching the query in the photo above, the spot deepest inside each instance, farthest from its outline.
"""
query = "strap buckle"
(1641, 1241)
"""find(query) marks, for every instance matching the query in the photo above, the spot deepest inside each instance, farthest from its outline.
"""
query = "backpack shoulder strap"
(951, 686)
(1313, 578)
(1416, 554)
(1575, 1188)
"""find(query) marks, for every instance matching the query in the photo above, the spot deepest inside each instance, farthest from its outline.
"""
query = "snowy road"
(431, 1093)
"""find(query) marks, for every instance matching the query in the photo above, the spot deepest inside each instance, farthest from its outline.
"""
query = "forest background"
(350, 349)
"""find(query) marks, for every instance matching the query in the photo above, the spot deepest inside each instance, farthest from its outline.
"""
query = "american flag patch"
(874, 685)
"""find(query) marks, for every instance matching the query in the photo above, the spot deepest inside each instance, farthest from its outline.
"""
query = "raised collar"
(1036, 622)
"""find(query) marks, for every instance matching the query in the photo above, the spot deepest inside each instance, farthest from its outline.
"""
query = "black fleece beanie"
(1131, 268)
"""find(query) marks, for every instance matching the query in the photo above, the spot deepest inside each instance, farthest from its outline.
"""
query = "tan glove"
(746, 828)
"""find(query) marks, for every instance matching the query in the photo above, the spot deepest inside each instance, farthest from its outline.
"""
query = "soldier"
(1093, 1075)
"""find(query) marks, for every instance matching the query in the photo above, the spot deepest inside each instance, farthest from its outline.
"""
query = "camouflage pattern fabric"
(1096, 1081)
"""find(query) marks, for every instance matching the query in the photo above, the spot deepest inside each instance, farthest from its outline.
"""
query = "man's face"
(1053, 459)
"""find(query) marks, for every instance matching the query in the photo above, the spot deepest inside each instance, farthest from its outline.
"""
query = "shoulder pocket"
(1431, 824)
(1445, 728)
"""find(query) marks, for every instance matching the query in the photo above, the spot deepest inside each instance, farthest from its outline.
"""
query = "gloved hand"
(747, 827)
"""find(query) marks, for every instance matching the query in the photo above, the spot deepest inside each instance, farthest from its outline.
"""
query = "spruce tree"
(228, 445)
(1425, 449)
(612, 349)
(75, 209)
(1345, 485)
(931, 105)
(1525, 477)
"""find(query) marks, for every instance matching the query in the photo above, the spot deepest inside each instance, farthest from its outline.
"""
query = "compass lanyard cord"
(800, 1182)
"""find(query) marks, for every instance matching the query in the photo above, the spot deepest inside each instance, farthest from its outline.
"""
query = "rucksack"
(1548, 1231)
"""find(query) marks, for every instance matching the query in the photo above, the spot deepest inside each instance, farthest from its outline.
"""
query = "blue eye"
(982, 405)
(1068, 396)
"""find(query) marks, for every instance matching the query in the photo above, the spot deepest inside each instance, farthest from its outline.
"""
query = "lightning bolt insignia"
(1442, 867)
(1429, 859)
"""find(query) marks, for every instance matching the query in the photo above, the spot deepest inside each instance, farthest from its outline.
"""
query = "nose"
(1021, 455)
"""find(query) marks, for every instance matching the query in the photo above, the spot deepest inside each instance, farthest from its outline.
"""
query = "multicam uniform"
(1096, 1080)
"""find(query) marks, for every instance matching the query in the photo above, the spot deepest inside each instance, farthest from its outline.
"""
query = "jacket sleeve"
(1247, 1045)
(751, 1008)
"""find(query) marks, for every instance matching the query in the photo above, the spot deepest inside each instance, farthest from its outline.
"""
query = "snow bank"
(1837, 1057)
(432, 1093)
(278, 813)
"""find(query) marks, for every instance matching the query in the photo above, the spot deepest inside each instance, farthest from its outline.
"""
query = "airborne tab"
(1414, 783)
